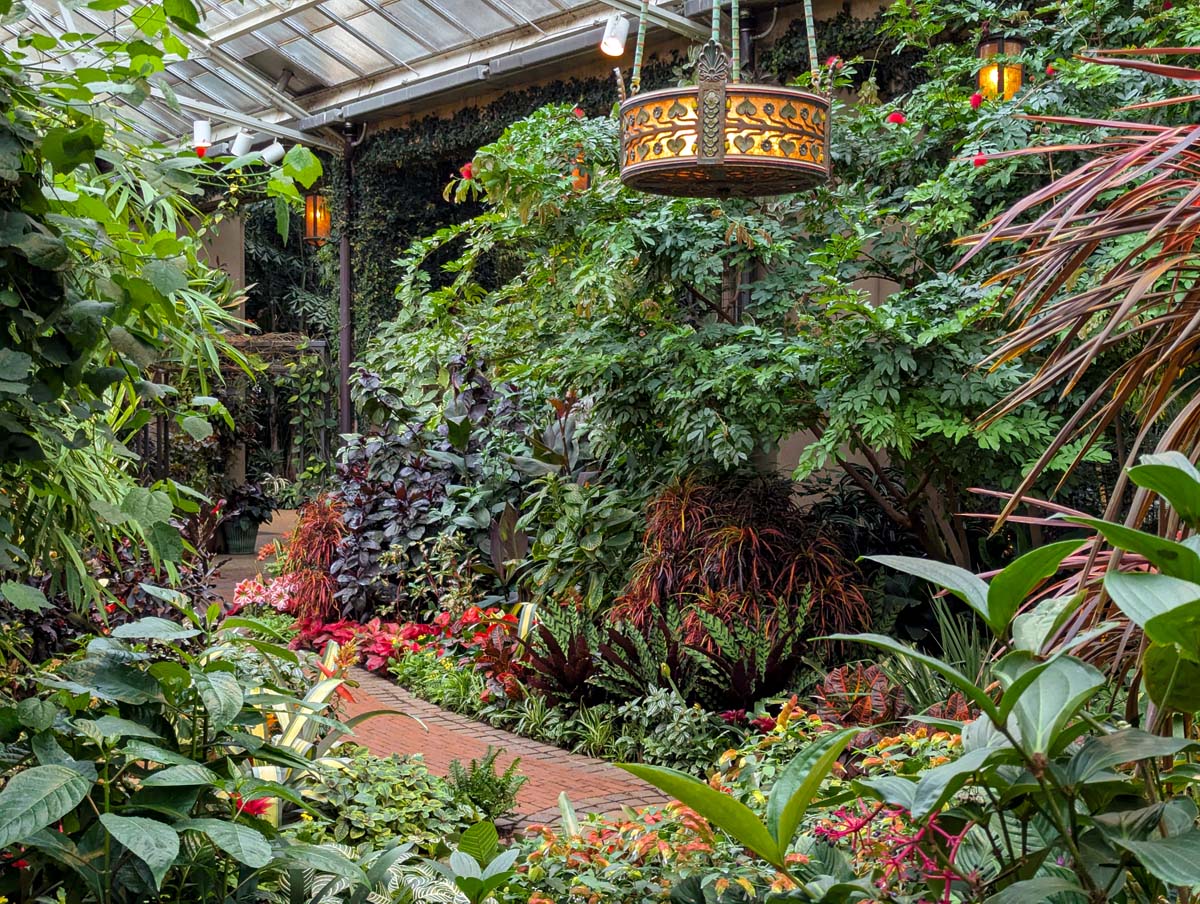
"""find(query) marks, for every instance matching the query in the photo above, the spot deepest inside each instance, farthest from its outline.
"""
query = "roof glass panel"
(441, 32)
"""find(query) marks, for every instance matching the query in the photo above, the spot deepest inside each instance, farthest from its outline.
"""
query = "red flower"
(578, 111)
(256, 807)
(980, 159)
(1051, 71)
(764, 723)
(21, 864)
(834, 62)
(734, 716)
(467, 170)
(976, 101)
(897, 118)
(110, 608)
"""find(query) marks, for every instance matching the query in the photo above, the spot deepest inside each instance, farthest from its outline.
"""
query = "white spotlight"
(241, 144)
(201, 136)
(273, 152)
(616, 30)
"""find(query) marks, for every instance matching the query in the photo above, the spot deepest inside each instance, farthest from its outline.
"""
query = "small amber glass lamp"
(316, 219)
(1000, 77)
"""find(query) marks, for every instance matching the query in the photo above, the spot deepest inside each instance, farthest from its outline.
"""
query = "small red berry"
(1051, 71)
(976, 101)
(467, 171)
(980, 159)
(897, 118)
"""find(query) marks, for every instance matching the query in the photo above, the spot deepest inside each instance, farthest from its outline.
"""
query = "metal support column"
(345, 319)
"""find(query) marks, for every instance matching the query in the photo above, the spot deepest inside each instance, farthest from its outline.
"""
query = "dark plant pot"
(241, 537)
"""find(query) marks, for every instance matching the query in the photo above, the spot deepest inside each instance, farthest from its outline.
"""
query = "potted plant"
(248, 506)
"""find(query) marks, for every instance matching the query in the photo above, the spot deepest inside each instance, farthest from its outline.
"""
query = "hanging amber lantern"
(1002, 73)
(316, 219)
(723, 138)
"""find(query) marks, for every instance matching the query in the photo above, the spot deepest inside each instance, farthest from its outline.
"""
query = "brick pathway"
(593, 786)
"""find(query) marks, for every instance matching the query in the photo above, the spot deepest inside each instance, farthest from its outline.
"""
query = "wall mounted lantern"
(1002, 72)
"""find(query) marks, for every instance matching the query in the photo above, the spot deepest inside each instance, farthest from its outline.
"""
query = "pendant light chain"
(735, 38)
(811, 28)
(635, 83)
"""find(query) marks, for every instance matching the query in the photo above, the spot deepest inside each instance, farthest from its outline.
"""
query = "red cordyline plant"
(737, 548)
(1124, 226)
(307, 554)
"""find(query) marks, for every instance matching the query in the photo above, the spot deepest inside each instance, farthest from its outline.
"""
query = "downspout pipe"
(345, 317)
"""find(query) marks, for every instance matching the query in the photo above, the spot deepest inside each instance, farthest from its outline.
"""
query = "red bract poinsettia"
(254, 807)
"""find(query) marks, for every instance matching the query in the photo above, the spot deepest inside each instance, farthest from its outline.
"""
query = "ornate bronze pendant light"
(723, 138)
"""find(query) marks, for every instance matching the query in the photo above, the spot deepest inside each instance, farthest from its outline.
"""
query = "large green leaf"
(1172, 676)
(1033, 629)
(731, 816)
(302, 165)
(181, 776)
(936, 785)
(153, 628)
(1125, 746)
(480, 841)
(221, 694)
(1147, 598)
(797, 784)
(969, 588)
(1174, 860)
(1167, 556)
(960, 681)
(323, 859)
(24, 597)
(1175, 478)
(1007, 590)
(1051, 700)
(147, 507)
(156, 843)
(243, 843)
(37, 797)
(1042, 888)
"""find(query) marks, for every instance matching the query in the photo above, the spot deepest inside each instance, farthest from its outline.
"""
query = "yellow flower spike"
(745, 884)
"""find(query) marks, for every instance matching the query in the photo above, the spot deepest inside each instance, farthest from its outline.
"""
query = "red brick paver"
(593, 786)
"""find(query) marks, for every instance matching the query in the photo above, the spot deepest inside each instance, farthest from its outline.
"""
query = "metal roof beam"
(250, 122)
(250, 22)
(657, 15)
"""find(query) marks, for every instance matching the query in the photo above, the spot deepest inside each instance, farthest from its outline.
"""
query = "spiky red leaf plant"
(307, 554)
(733, 552)
(1109, 271)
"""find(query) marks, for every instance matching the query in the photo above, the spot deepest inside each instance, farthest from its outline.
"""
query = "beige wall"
(225, 248)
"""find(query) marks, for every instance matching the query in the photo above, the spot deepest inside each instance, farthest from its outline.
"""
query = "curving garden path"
(593, 786)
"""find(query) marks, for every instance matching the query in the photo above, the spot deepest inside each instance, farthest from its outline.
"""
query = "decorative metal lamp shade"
(723, 138)
(1001, 77)
(316, 219)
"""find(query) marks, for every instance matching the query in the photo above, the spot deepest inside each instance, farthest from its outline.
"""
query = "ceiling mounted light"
(1003, 77)
(616, 30)
(241, 144)
(273, 153)
(201, 136)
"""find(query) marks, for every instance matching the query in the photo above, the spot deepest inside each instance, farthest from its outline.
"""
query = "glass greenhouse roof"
(296, 67)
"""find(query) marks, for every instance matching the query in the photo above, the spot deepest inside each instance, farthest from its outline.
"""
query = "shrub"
(488, 793)
(307, 556)
(741, 562)
(369, 799)
(854, 696)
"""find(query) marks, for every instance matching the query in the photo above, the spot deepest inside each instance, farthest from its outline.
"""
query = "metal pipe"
(345, 321)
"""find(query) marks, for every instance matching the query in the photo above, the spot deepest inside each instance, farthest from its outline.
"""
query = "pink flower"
(897, 118)
(467, 171)
(976, 100)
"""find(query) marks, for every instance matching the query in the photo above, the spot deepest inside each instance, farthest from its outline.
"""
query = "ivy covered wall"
(400, 173)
